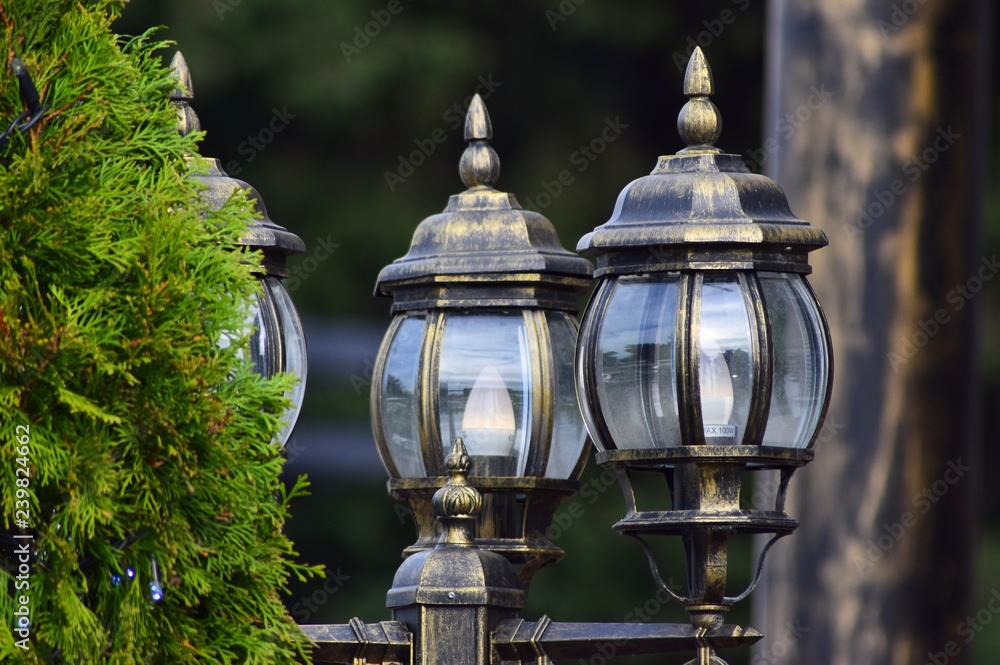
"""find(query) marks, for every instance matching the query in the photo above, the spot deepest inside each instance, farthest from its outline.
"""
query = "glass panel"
(568, 433)
(399, 403)
(801, 365)
(635, 363)
(261, 320)
(256, 341)
(485, 379)
(294, 346)
(726, 360)
(264, 343)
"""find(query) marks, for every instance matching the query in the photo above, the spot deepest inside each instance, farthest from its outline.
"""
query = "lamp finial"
(699, 122)
(480, 165)
(183, 94)
(457, 503)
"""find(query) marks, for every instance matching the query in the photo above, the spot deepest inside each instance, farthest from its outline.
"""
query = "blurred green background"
(326, 122)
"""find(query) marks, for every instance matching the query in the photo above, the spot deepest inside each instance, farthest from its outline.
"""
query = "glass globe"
(486, 377)
(640, 358)
(277, 344)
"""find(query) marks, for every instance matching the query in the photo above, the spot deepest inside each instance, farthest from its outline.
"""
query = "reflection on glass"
(293, 347)
(716, 386)
(801, 361)
(488, 350)
(726, 371)
(276, 343)
(568, 433)
(399, 404)
(263, 334)
(636, 380)
(256, 342)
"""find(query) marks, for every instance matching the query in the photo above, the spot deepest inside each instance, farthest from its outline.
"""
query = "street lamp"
(277, 342)
(703, 353)
(481, 347)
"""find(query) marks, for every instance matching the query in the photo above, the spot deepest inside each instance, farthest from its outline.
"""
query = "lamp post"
(277, 341)
(481, 346)
(702, 354)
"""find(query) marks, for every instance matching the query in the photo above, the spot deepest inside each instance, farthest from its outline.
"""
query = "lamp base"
(519, 537)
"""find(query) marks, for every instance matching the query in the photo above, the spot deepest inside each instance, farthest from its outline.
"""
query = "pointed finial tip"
(480, 165)
(181, 72)
(458, 459)
(699, 122)
(477, 121)
(698, 75)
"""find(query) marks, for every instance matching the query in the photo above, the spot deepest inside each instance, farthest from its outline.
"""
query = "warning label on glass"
(720, 431)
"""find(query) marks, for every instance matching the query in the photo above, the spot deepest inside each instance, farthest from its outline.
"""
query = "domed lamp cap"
(701, 208)
(276, 242)
(484, 250)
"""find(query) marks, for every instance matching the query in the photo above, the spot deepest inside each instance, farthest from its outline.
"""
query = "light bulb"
(488, 422)
(716, 386)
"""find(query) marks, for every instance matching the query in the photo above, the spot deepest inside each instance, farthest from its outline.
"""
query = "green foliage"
(145, 439)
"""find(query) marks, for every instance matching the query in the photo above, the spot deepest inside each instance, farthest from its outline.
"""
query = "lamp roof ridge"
(484, 250)
(699, 122)
(701, 198)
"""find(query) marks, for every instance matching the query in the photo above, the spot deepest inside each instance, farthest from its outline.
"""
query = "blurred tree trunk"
(877, 109)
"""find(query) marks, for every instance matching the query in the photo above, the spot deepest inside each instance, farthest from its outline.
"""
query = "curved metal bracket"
(655, 570)
(758, 573)
(683, 600)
